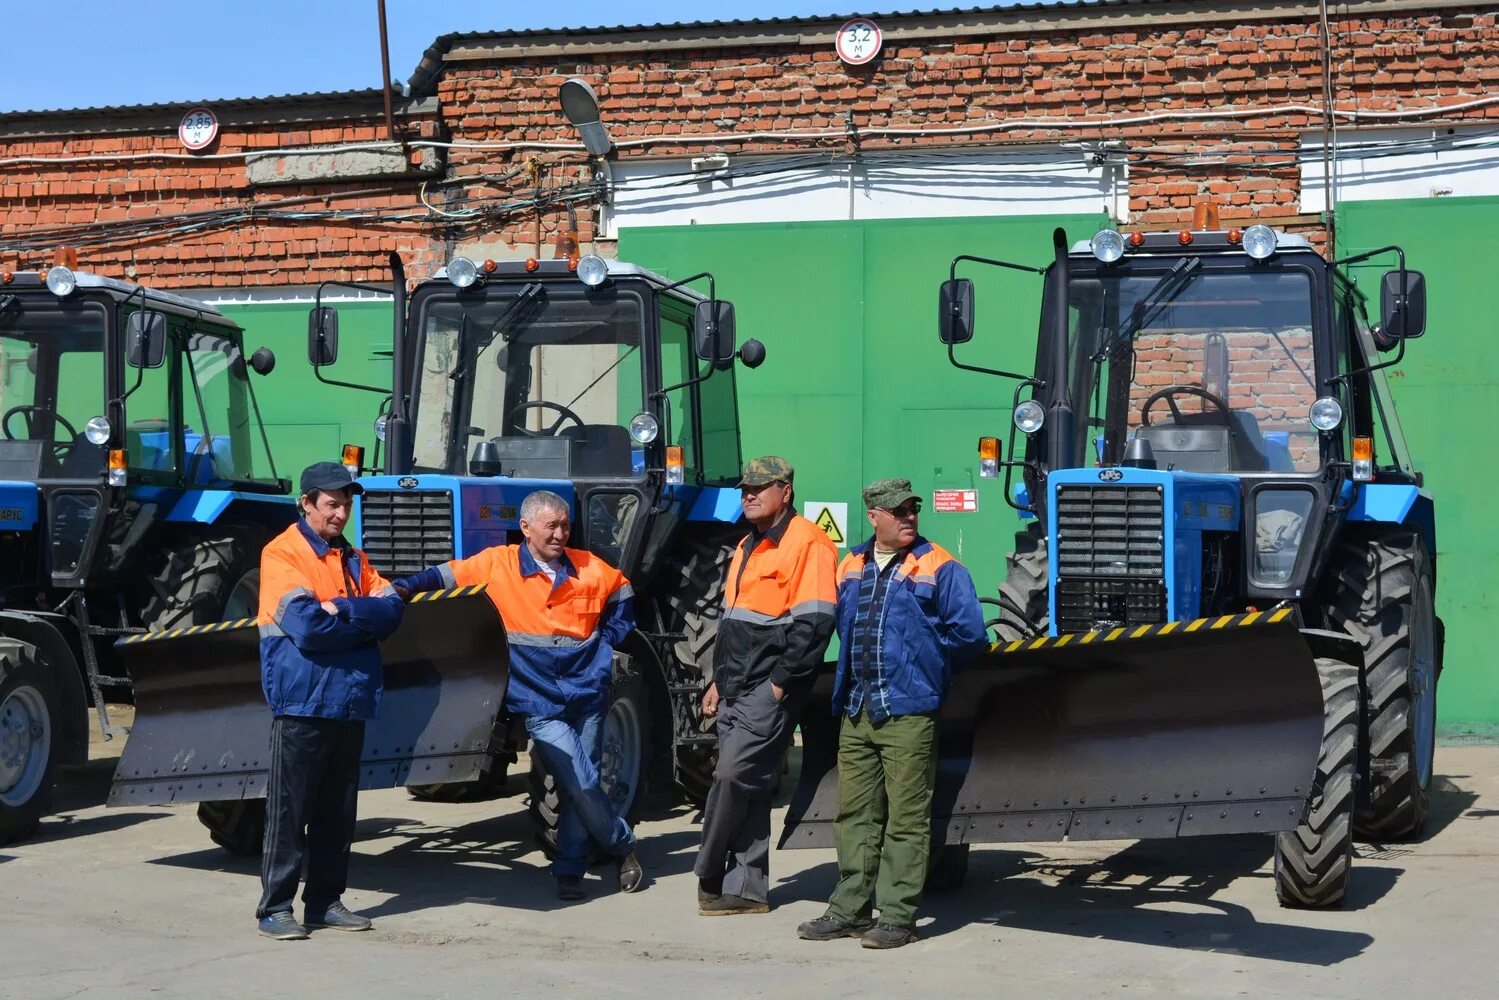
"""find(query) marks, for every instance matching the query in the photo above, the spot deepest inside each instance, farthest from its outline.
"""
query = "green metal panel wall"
(1447, 396)
(855, 385)
(305, 420)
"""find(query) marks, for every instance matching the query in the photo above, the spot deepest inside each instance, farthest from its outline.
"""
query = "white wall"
(1421, 163)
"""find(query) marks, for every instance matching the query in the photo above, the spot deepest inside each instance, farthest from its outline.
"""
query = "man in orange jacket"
(565, 612)
(776, 622)
(323, 612)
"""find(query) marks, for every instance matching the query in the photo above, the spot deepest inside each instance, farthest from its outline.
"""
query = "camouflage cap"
(889, 494)
(766, 469)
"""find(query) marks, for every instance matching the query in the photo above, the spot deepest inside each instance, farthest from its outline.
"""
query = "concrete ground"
(137, 902)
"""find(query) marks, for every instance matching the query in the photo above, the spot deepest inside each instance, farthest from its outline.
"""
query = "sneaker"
(570, 887)
(729, 904)
(830, 928)
(282, 926)
(883, 935)
(631, 875)
(338, 917)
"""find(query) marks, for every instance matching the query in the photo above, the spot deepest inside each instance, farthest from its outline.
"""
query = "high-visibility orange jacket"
(777, 609)
(562, 634)
(314, 664)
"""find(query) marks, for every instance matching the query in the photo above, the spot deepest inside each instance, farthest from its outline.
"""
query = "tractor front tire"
(30, 740)
(1386, 600)
(1313, 862)
(238, 826)
(1024, 595)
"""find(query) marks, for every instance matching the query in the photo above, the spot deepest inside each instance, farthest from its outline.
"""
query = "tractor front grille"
(407, 531)
(1111, 557)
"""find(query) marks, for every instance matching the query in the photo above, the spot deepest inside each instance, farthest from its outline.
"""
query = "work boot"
(708, 891)
(570, 887)
(830, 928)
(631, 875)
(883, 935)
(338, 917)
(729, 904)
(282, 926)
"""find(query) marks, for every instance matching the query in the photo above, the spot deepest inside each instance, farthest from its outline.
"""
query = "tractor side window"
(148, 421)
(221, 434)
(678, 365)
(720, 418)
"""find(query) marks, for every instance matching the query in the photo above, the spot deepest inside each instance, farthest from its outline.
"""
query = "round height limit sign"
(198, 129)
(858, 41)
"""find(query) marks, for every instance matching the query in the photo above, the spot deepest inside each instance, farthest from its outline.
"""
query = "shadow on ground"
(493, 861)
(1162, 893)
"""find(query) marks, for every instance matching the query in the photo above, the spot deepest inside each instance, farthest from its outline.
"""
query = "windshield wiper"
(507, 324)
(1161, 294)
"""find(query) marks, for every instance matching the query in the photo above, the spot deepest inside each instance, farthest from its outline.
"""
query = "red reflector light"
(1184, 237)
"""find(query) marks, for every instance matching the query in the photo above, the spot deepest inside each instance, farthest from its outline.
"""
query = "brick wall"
(1445, 57)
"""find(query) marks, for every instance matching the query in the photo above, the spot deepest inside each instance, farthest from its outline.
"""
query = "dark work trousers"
(753, 733)
(313, 785)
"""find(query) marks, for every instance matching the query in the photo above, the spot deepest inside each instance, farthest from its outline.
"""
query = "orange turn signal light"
(989, 448)
(117, 458)
(1363, 449)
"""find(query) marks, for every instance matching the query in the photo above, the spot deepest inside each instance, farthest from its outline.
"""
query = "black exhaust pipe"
(1059, 415)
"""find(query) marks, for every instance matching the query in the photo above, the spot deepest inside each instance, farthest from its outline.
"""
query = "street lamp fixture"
(581, 106)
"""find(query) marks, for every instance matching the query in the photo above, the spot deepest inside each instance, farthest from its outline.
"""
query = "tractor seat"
(599, 451)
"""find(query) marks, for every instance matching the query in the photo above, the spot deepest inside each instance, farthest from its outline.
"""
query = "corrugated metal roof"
(427, 69)
(227, 103)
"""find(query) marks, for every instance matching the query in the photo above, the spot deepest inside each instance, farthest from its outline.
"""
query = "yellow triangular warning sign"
(829, 524)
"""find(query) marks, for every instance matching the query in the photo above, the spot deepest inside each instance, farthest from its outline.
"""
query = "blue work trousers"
(570, 749)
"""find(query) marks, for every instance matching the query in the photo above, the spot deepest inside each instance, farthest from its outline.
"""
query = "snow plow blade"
(1182, 729)
(202, 727)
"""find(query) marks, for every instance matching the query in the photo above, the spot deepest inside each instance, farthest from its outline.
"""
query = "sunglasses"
(904, 511)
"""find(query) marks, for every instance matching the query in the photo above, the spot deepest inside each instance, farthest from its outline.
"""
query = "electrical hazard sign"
(832, 518)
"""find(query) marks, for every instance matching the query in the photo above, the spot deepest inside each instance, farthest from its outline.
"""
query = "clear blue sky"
(88, 53)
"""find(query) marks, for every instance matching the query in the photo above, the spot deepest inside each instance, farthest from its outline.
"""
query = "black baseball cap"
(328, 476)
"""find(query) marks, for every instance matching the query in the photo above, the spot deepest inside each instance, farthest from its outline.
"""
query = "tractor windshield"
(550, 374)
(1215, 368)
(51, 385)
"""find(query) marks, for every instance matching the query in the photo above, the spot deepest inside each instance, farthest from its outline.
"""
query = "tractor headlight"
(1327, 414)
(1260, 241)
(1029, 416)
(592, 270)
(643, 428)
(380, 422)
(462, 272)
(97, 431)
(61, 281)
(1108, 245)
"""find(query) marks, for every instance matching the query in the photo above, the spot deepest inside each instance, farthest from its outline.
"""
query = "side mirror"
(146, 337)
(713, 333)
(955, 311)
(322, 336)
(1402, 317)
(263, 361)
(752, 354)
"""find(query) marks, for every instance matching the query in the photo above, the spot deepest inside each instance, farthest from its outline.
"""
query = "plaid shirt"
(867, 678)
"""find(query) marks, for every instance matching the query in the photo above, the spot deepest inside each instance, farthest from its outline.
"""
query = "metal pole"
(390, 120)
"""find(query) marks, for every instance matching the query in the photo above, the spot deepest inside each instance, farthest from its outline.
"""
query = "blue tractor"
(1219, 618)
(597, 380)
(136, 485)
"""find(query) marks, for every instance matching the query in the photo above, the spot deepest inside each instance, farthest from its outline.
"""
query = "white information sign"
(831, 518)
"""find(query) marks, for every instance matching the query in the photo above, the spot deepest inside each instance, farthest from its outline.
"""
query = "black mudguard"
(1182, 729)
(202, 727)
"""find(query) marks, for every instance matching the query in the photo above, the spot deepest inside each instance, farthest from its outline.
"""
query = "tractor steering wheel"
(542, 404)
(1171, 391)
(59, 448)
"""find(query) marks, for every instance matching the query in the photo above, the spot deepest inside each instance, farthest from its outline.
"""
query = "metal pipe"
(1059, 419)
(390, 120)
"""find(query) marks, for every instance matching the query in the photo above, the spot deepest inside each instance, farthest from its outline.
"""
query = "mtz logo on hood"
(1107, 475)
(407, 482)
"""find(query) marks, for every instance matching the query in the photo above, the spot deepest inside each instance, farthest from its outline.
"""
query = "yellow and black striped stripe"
(177, 633)
(1143, 631)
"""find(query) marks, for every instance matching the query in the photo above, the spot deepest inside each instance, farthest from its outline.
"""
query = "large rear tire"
(1024, 596)
(625, 739)
(200, 581)
(1386, 600)
(1313, 862)
(695, 607)
(30, 740)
